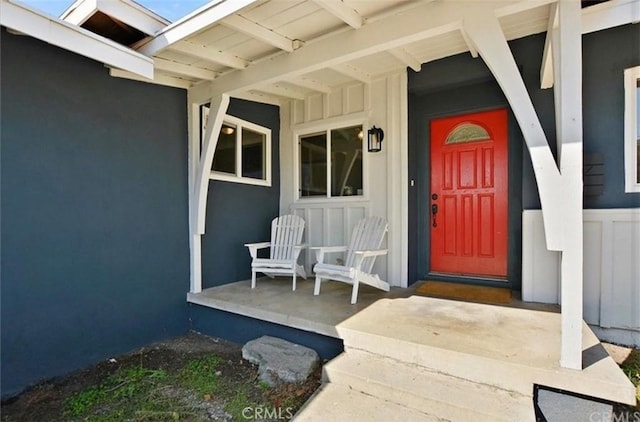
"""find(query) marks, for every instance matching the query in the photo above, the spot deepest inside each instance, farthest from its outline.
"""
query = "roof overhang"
(125, 11)
(28, 21)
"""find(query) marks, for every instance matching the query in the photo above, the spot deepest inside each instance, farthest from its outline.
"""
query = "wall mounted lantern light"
(375, 135)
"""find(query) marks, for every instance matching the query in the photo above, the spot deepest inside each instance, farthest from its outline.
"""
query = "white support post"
(569, 112)
(199, 170)
(560, 189)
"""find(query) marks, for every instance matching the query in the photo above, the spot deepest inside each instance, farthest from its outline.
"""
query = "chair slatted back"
(368, 234)
(286, 232)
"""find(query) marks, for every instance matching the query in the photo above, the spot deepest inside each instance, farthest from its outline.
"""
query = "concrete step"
(339, 403)
(429, 392)
(508, 348)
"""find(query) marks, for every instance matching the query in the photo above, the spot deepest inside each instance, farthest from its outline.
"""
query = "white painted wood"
(195, 22)
(19, 17)
(210, 54)
(364, 247)
(353, 72)
(470, 46)
(610, 14)
(423, 21)
(569, 110)
(284, 248)
(484, 31)
(405, 57)
(342, 11)
(259, 97)
(157, 79)
(282, 90)
(193, 158)
(259, 32)
(546, 69)
(540, 266)
(611, 266)
(125, 11)
(631, 77)
(218, 108)
(183, 69)
(78, 12)
(312, 84)
(195, 251)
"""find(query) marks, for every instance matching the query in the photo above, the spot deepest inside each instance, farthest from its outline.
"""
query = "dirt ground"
(48, 401)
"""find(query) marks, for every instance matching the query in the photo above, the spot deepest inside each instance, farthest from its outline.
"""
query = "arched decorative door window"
(467, 132)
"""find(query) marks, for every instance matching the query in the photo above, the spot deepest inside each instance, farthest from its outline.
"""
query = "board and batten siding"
(329, 221)
(611, 267)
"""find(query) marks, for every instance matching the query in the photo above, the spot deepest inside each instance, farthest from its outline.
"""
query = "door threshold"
(470, 279)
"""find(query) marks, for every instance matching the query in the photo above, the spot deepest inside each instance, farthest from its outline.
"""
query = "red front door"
(468, 198)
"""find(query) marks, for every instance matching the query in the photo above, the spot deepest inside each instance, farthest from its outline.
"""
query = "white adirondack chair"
(365, 244)
(285, 247)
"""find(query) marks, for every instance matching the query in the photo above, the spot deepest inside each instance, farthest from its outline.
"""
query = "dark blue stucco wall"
(461, 84)
(605, 55)
(240, 213)
(95, 255)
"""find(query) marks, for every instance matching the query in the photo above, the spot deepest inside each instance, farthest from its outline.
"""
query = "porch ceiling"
(217, 41)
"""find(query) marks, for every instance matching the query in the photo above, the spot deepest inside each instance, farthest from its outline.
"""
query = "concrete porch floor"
(519, 341)
(273, 300)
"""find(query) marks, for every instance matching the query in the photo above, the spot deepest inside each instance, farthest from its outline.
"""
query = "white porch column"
(569, 132)
(199, 169)
(560, 189)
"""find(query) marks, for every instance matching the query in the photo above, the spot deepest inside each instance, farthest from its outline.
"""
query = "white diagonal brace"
(198, 21)
(183, 69)
(483, 30)
(407, 58)
(210, 54)
(419, 23)
(217, 109)
(472, 49)
(342, 11)
(266, 35)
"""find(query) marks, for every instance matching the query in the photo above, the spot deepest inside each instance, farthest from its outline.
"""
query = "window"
(632, 129)
(330, 163)
(243, 152)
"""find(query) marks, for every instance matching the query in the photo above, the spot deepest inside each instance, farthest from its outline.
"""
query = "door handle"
(434, 211)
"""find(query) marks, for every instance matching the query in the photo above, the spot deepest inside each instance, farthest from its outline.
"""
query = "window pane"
(346, 161)
(313, 165)
(253, 154)
(224, 159)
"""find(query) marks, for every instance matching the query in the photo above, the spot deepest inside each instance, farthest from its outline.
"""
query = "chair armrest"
(253, 247)
(321, 250)
(361, 255)
(374, 252)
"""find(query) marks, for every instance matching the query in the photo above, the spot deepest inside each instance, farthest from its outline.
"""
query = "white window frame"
(305, 130)
(239, 124)
(631, 77)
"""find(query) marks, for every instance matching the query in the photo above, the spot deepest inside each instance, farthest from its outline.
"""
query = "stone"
(557, 406)
(280, 360)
